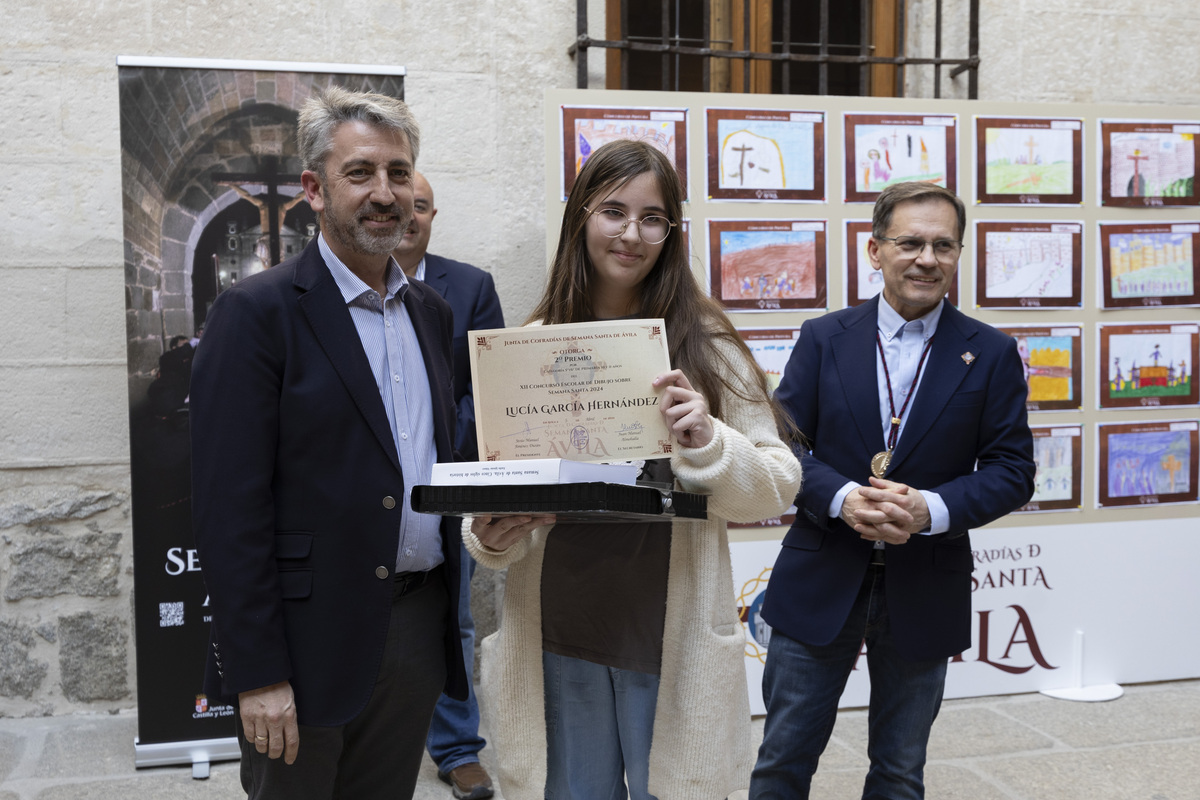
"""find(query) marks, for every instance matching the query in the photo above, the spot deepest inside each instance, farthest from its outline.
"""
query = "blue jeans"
(454, 738)
(599, 722)
(801, 687)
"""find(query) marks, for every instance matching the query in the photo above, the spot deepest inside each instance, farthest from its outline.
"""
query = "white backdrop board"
(1130, 589)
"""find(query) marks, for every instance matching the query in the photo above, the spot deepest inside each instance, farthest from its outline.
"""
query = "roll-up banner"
(211, 194)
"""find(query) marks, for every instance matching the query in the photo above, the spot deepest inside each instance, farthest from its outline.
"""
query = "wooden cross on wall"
(268, 175)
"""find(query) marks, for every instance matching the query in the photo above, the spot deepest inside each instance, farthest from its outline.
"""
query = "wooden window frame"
(881, 55)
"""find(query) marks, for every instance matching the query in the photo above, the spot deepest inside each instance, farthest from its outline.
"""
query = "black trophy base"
(578, 502)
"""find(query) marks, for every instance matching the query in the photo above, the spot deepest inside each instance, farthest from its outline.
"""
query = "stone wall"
(65, 586)
(476, 71)
(1075, 51)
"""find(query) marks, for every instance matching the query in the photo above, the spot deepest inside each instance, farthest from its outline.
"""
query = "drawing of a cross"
(1135, 158)
(743, 149)
(1172, 465)
(1030, 144)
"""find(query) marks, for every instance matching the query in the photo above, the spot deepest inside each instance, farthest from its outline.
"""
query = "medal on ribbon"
(881, 462)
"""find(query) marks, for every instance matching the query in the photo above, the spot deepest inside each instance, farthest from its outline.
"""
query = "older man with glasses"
(916, 418)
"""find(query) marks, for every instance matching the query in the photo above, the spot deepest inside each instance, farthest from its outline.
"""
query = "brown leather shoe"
(468, 781)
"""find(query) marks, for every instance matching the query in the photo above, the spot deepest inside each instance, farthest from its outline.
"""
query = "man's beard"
(359, 239)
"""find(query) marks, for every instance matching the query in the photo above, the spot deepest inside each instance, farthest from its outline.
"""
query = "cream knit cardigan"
(701, 747)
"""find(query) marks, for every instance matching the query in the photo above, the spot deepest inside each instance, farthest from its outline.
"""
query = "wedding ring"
(260, 738)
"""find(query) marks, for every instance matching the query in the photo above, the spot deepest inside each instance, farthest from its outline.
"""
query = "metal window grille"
(671, 46)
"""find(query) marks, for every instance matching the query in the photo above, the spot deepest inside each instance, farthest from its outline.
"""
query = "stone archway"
(179, 128)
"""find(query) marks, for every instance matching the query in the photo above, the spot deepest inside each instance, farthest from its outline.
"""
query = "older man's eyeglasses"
(612, 222)
(912, 247)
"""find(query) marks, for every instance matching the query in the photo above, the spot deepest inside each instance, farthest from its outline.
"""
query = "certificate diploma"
(581, 391)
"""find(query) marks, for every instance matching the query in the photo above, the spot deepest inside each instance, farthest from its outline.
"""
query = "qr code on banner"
(170, 615)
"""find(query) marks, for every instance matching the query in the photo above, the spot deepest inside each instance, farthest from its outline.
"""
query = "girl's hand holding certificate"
(684, 409)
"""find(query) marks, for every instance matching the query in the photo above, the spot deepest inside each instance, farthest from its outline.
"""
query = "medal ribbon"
(894, 433)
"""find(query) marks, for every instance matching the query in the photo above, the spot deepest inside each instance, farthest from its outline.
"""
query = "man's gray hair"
(913, 191)
(324, 112)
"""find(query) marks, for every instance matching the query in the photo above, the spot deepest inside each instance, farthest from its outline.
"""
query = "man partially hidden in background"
(454, 741)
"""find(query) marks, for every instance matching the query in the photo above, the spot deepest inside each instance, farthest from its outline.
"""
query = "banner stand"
(204, 207)
(199, 753)
(1080, 693)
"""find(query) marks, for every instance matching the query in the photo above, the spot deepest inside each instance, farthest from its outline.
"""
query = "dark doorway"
(230, 249)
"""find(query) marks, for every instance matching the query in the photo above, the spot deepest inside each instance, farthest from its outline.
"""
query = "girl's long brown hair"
(696, 324)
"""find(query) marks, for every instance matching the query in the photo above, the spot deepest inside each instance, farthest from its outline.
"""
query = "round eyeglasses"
(612, 222)
(944, 250)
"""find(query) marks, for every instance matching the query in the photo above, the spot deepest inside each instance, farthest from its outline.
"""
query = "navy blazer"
(298, 492)
(471, 293)
(967, 438)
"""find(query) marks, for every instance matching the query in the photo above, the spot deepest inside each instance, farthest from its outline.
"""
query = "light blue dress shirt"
(391, 345)
(903, 342)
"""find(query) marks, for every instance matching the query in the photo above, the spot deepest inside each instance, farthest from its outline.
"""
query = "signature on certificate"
(633, 427)
(523, 431)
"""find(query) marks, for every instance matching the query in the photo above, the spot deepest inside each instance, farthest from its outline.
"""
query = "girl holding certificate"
(629, 632)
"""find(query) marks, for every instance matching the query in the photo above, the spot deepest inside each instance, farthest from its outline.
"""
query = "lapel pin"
(968, 357)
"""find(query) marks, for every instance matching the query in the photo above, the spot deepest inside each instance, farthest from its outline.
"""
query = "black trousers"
(378, 753)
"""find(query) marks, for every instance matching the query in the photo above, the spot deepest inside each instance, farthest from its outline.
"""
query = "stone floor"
(1143, 746)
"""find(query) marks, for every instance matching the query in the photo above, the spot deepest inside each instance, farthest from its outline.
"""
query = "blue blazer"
(298, 492)
(471, 293)
(967, 438)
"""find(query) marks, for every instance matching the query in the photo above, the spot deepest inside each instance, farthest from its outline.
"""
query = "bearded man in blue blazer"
(917, 431)
(454, 741)
(322, 391)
